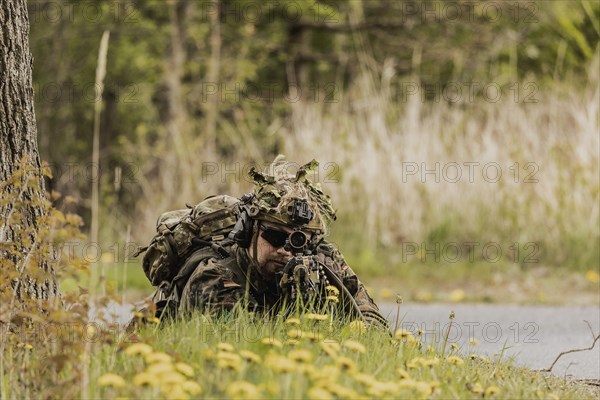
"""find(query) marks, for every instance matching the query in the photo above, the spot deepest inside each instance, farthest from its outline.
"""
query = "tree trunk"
(23, 209)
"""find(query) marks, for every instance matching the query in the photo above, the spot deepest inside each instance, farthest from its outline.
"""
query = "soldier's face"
(271, 257)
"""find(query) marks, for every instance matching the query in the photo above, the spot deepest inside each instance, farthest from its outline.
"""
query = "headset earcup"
(242, 231)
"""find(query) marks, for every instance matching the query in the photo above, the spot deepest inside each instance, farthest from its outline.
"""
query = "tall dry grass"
(373, 136)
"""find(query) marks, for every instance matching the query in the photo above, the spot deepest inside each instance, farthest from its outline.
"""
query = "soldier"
(276, 245)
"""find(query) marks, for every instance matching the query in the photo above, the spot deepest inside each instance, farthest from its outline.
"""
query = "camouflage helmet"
(291, 200)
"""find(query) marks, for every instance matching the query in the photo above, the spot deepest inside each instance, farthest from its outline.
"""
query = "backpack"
(182, 232)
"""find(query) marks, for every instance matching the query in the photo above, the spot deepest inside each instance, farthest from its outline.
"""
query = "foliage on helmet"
(277, 189)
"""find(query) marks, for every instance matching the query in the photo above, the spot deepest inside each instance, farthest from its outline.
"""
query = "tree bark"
(18, 139)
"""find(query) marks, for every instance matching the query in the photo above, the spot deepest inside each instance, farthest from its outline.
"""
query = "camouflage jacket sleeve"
(332, 257)
(212, 288)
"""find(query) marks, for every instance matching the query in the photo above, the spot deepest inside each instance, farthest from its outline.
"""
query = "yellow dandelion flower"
(453, 346)
(294, 333)
(229, 364)
(300, 356)
(357, 327)
(332, 298)
(455, 360)
(412, 343)
(272, 341)
(158, 357)
(110, 379)
(430, 362)
(592, 276)
(225, 356)
(153, 320)
(306, 369)
(293, 321)
(91, 331)
(473, 357)
(316, 317)
(341, 392)
(174, 392)
(457, 295)
(473, 342)
(314, 336)
(491, 391)
(325, 375)
(185, 369)
(332, 290)
(407, 384)
(355, 346)
(192, 387)
(270, 387)
(279, 364)
(384, 389)
(319, 393)
(144, 379)
(331, 348)
(160, 368)
(242, 390)
(346, 364)
(475, 387)
(484, 359)
(292, 342)
(423, 388)
(403, 373)
(434, 385)
(415, 363)
(403, 334)
(172, 378)
(138, 348)
(225, 347)
(250, 356)
(208, 355)
(364, 379)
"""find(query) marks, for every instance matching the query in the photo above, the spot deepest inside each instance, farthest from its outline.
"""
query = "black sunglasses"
(275, 237)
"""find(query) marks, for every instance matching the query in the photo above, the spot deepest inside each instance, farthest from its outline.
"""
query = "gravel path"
(533, 335)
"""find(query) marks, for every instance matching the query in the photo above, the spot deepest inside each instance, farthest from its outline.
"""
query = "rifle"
(304, 277)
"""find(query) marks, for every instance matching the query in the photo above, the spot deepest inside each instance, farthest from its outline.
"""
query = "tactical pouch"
(181, 232)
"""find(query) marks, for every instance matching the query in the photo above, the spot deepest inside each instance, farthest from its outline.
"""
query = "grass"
(479, 282)
(249, 357)
(503, 283)
(127, 279)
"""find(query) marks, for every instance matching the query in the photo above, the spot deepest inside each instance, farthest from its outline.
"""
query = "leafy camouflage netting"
(276, 189)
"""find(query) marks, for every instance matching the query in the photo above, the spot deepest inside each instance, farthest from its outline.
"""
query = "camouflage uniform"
(222, 274)
(217, 284)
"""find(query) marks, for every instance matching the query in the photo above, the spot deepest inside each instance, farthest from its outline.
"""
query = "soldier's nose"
(283, 251)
